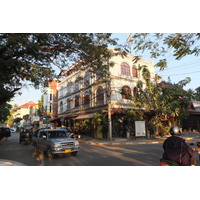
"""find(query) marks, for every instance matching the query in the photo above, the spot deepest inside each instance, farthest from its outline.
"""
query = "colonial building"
(80, 95)
(50, 101)
(28, 113)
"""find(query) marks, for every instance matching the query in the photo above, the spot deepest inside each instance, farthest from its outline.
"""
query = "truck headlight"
(76, 143)
(56, 145)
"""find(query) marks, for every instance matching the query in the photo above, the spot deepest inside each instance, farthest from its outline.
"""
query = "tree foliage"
(40, 106)
(10, 119)
(158, 44)
(17, 119)
(196, 94)
(4, 112)
(33, 57)
(161, 100)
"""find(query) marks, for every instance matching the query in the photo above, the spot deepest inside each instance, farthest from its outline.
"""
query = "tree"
(196, 94)
(10, 119)
(161, 100)
(100, 124)
(4, 112)
(17, 119)
(33, 57)
(159, 44)
(40, 106)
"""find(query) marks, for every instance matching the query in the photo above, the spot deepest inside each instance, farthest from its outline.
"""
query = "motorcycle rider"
(176, 149)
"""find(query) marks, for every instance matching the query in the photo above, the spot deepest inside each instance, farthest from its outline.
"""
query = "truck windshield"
(57, 134)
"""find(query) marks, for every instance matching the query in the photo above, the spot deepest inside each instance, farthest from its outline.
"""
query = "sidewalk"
(124, 141)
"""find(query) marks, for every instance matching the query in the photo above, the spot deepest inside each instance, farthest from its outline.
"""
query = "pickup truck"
(55, 141)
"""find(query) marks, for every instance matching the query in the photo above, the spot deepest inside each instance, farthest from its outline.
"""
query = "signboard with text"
(140, 130)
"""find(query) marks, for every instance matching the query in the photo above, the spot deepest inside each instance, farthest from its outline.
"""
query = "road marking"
(142, 142)
(121, 143)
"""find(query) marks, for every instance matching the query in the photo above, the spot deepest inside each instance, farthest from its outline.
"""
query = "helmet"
(174, 130)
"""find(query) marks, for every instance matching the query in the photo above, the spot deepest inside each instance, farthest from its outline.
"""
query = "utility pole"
(109, 109)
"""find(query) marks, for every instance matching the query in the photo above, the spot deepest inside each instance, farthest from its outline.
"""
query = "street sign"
(140, 130)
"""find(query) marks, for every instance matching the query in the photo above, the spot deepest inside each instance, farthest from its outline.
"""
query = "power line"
(182, 74)
(178, 70)
(182, 66)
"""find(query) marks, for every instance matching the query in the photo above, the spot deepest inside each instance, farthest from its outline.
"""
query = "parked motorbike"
(171, 163)
(164, 162)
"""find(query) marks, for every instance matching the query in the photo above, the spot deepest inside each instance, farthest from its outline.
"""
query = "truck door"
(44, 141)
(41, 140)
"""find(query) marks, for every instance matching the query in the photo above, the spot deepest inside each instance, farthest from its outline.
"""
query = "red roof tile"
(28, 104)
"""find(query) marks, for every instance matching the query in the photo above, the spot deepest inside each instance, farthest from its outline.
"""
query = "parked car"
(56, 141)
(5, 132)
(12, 129)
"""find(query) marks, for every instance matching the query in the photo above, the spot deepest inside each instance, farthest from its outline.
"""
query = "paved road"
(89, 155)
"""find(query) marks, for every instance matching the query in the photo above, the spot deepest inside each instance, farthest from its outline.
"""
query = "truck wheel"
(74, 153)
(49, 153)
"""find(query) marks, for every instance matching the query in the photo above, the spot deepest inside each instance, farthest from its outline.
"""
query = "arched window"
(125, 69)
(61, 106)
(98, 74)
(126, 92)
(100, 95)
(86, 98)
(77, 83)
(50, 98)
(68, 104)
(69, 87)
(77, 101)
(87, 79)
(61, 91)
(135, 92)
(135, 71)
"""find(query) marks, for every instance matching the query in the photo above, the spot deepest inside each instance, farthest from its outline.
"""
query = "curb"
(126, 143)
(120, 143)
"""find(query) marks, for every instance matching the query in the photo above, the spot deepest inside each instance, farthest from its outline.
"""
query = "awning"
(89, 116)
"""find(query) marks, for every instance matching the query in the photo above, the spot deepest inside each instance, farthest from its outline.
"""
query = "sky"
(177, 71)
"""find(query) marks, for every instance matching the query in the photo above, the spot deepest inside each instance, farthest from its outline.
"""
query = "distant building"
(192, 122)
(50, 102)
(27, 112)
